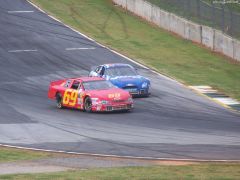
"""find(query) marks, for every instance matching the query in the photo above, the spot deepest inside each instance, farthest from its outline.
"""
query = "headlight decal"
(104, 102)
(94, 101)
(144, 85)
(130, 99)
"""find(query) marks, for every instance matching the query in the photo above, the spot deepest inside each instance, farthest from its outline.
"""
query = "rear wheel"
(147, 95)
(88, 104)
(59, 101)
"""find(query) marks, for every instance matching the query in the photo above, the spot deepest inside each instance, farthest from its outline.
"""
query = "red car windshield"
(97, 85)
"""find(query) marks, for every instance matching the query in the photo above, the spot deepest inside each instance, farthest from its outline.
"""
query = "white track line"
(11, 12)
(22, 50)
(105, 155)
(117, 156)
(73, 49)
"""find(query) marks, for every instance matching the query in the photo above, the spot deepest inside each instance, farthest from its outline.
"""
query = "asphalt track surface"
(173, 123)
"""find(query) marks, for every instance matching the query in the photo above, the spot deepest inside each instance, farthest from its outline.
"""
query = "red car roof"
(85, 79)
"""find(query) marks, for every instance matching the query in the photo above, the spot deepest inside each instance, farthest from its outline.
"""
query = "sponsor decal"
(114, 96)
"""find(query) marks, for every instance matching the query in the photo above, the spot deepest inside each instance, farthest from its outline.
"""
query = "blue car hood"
(122, 81)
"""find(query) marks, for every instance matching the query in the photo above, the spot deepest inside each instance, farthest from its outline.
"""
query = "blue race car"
(124, 76)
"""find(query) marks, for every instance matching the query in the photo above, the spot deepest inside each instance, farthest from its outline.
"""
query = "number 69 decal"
(70, 97)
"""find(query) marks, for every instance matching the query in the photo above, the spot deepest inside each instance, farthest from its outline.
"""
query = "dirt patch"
(29, 167)
(175, 163)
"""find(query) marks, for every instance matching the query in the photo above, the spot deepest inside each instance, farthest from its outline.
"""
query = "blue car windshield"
(97, 85)
(120, 71)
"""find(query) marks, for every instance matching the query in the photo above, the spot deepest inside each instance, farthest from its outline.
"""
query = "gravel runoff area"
(77, 162)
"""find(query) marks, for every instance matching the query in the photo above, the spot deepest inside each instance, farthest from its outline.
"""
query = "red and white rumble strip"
(217, 96)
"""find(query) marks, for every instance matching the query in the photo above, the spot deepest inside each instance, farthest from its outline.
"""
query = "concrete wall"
(236, 50)
(147, 10)
(131, 5)
(193, 32)
(156, 16)
(165, 20)
(140, 8)
(123, 3)
(223, 44)
(177, 24)
(209, 37)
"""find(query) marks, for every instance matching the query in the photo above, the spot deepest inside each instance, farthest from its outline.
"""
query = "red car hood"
(109, 94)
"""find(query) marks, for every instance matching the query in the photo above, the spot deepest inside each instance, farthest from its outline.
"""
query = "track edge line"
(115, 156)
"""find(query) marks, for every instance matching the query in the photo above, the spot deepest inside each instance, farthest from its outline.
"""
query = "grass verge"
(194, 171)
(148, 44)
(202, 171)
(10, 155)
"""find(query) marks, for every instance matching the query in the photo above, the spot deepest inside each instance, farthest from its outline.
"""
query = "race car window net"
(75, 85)
(97, 85)
(120, 71)
(102, 71)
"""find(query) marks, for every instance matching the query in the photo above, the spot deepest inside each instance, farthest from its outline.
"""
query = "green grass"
(9, 155)
(202, 171)
(196, 171)
(147, 44)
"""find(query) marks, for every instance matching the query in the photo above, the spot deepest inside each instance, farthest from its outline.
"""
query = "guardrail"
(214, 39)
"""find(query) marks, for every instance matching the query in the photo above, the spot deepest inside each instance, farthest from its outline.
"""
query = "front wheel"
(88, 104)
(59, 101)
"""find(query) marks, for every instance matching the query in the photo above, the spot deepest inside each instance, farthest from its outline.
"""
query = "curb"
(217, 97)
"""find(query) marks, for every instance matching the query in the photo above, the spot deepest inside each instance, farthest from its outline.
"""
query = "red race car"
(89, 94)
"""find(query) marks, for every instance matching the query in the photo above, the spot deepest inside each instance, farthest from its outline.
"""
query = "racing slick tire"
(88, 104)
(128, 110)
(147, 95)
(59, 101)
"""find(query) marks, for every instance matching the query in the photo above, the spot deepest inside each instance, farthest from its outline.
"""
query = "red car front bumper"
(112, 107)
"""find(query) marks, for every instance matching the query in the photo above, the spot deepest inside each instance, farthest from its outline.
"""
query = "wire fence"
(216, 14)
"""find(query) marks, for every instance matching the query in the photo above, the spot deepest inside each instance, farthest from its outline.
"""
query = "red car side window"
(75, 85)
(68, 82)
